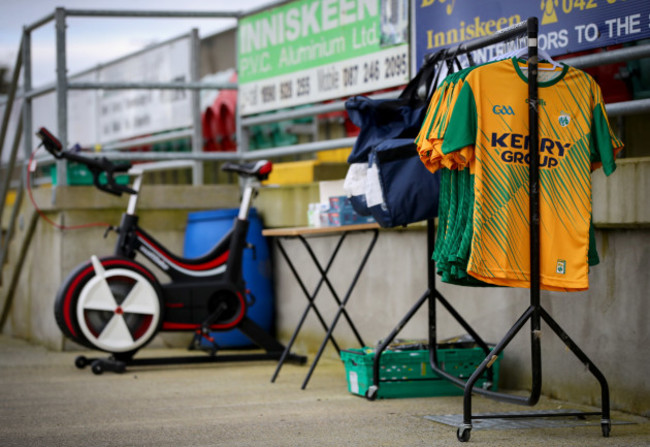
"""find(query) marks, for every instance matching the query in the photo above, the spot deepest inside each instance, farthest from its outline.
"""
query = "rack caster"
(371, 393)
(606, 426)
(463, 433)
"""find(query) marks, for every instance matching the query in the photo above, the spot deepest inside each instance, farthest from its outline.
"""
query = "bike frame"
(221, 266)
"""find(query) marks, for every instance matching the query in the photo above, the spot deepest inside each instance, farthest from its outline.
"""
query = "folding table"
(303, 234)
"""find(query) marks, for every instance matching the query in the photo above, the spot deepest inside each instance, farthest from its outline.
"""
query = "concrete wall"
(609, 322)
(217, 52)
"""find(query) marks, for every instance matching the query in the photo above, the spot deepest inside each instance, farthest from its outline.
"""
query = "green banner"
(306, 34)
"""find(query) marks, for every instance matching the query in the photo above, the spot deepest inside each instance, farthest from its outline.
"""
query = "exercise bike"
(117, 305)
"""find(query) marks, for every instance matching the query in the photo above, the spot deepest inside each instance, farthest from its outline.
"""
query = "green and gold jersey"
(456, 194)
(429, 140)
(491, 113)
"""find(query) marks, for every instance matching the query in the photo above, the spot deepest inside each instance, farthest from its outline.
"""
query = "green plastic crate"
(408, 373)
(78, 174)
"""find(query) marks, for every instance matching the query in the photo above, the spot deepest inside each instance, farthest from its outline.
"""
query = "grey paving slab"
(46, 401)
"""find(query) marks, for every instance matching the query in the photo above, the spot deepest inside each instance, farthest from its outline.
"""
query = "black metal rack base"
(535, 312)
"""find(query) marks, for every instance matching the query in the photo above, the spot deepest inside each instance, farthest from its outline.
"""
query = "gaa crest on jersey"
(502, 110)
(560, 267)
(564, 119)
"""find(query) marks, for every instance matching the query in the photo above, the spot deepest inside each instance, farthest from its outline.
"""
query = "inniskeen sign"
(314, 50)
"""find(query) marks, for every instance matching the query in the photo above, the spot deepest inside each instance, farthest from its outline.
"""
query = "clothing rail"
(535, 313)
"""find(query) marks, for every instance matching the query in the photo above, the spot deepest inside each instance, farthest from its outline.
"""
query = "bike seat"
(260, 169)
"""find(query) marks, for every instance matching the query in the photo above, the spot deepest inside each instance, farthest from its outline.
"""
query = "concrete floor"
(47, 401)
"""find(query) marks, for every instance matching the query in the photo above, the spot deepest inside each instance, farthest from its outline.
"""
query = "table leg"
(310, 299)
(341, 309)
(324, 277)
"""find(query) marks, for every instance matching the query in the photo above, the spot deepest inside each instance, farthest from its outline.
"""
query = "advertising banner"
(314, 50)
(128, 113)
(566, 26)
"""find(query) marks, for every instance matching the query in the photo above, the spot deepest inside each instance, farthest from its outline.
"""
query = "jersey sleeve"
(461, 130)
(429, 152)
(604, 145)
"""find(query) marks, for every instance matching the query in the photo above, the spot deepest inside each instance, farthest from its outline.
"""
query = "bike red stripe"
(68, 298)
(216, 262)
(169, 326)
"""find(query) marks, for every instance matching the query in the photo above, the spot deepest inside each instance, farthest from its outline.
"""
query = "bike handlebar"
(95, 165)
